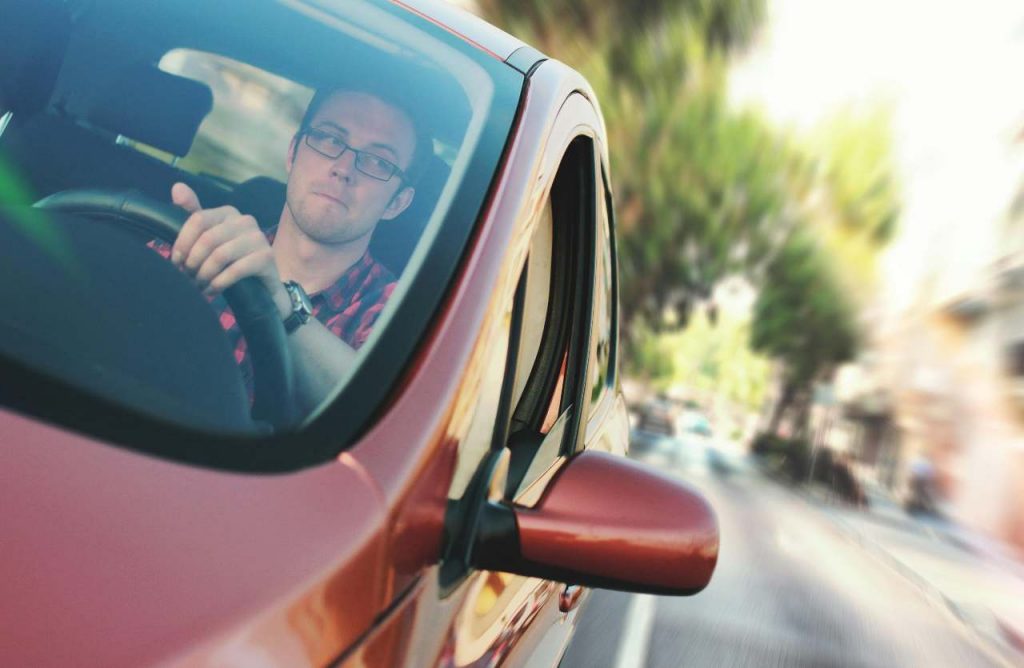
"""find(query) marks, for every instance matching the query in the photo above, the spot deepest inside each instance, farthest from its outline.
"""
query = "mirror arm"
(497, 545)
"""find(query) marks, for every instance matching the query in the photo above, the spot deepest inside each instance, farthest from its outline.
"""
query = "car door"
(490, 459)
(505, 617)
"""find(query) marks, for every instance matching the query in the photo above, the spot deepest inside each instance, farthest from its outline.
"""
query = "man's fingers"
(227, 251)
(198, 225)
(252, 264)
(185, 197)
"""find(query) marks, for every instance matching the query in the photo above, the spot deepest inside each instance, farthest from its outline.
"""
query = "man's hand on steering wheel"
(256, 309)
(219, 247)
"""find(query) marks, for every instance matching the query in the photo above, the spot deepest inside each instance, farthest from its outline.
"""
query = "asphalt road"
(790, 590)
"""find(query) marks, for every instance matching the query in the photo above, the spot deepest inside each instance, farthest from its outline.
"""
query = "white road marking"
(636, 632)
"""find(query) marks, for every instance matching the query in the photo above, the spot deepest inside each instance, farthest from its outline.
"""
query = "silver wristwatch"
(302, 308)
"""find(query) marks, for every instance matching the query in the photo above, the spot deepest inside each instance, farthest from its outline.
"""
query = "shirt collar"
(334, 291)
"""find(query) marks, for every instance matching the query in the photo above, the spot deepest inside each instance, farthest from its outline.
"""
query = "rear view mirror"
(606, 522)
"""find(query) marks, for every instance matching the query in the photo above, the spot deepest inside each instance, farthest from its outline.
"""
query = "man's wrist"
(301, 307)
(282, 300)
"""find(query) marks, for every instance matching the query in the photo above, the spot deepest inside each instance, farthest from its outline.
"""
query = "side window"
(602, 330)
(524, 417)
(554, 299)
(536, 299)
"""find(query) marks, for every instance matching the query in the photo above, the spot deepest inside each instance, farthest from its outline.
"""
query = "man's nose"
(344, 165)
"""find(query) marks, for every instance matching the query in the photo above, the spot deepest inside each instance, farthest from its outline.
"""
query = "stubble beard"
(322, 227)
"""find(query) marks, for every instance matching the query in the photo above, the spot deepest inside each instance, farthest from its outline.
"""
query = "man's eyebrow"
(378, 145)
(386, 147)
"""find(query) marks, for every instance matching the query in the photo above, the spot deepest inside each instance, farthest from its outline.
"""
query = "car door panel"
(488, 612)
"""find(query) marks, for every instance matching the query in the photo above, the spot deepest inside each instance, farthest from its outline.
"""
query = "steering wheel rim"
(253, 307)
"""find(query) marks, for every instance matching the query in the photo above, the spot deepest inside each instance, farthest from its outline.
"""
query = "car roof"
(466, 25)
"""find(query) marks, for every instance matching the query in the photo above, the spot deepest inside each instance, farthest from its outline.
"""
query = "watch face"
(304, 298)
(300, 300)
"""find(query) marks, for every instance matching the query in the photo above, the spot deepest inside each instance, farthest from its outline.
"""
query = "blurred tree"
(567, 29)
(709, 357)
(856, 204)
(804, 319)
(856, 160)
(702, 199)
(697, 186)
(848, 201)
(704, 191)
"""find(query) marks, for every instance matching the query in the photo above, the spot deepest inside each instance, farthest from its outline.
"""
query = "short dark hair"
(423, 148)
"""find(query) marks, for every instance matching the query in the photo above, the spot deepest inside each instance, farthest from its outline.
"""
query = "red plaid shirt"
(348, 308)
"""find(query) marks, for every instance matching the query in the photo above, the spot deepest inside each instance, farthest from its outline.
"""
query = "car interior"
(90, 118)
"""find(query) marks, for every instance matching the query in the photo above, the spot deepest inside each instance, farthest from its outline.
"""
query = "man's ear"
(399, 203)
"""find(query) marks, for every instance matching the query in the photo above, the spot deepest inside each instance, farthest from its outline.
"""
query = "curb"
(1003, 651)
(1008, 650)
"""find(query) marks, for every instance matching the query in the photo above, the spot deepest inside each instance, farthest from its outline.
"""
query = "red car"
(173, 496)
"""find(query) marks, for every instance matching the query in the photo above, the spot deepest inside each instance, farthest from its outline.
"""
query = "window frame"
(605, 202)
(525, 461)
(567, 330)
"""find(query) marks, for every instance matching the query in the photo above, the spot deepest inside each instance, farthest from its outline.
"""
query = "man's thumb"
(185, 197)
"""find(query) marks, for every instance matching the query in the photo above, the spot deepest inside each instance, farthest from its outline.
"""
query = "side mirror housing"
(606, 522)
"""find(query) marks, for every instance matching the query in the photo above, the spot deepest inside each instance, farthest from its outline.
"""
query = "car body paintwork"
(119, 558)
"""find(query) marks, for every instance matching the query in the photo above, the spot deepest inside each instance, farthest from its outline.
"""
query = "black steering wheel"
(254, 308)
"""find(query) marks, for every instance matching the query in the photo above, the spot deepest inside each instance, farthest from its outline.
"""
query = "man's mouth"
(329, 197)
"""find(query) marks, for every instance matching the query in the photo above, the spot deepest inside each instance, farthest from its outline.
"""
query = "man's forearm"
(320, 360)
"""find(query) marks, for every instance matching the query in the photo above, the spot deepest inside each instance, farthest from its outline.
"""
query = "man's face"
(330, 200)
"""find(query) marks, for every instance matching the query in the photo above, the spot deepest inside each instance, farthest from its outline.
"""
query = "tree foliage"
(704, 191)
(565, 29)
(802, 316)
(856, 161)
(697, 185)
(805, 320)
(710, 357)
(856, 204)
(703, 200)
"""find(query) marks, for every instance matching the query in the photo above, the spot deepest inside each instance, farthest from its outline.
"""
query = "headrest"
(261, 197)
(394, 240)
(33, 39)
(154, 107)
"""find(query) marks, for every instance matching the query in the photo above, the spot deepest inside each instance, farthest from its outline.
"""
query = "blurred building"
(860, 421)
(944, 378)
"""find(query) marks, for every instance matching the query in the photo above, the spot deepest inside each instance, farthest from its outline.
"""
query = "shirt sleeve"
(355, 323)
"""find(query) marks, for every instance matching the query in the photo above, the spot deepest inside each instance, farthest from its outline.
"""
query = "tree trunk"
(803, 414)
(783, 403)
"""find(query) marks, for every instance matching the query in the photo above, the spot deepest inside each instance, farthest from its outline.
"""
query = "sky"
(952, 72)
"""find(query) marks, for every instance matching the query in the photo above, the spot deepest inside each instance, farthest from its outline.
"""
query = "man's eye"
(378, 164)
(326, 138)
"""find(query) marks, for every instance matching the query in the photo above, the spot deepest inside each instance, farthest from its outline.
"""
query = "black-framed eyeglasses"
(332, 146)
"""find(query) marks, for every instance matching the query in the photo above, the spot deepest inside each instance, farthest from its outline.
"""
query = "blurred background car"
(658, 416)
(694, 422)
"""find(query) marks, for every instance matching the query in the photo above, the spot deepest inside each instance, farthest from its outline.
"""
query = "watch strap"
(294, 321)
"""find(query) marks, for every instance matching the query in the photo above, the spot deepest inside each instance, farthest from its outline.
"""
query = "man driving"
(351, 164)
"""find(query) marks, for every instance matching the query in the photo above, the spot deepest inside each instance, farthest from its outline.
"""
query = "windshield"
(319, 151)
